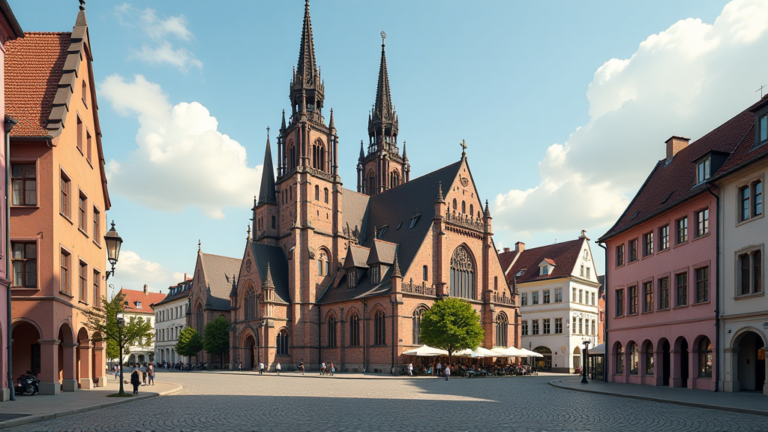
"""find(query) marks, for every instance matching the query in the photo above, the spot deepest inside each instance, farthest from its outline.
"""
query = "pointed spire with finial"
(268, 278)
(487, 211)
(440, 198)
(249, 232)
(267, 190)
(396, 268)
(383, 122)
(307, 66)
(362, 152)
(405, 153)
(233, 291)
(199, 246)
(331, 124)
(282, 126)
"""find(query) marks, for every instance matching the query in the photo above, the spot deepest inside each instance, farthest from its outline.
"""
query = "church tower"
(382, 167)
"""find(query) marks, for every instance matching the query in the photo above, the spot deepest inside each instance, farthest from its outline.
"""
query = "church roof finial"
(249, 232)
(396, 268)
(330, 124)
(440, 192)
(405, 153)
(282, 126)
(199, 246)
(268, 278)
(82, 5)
(362, 153)
(487, 211)
(463, 145)
(267, 189)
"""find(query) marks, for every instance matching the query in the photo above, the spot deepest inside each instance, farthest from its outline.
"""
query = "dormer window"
(138, 305)
(413, 221)
(702, 170)
(762, 124)
(375, 275)
(352, 278)
(546, 267)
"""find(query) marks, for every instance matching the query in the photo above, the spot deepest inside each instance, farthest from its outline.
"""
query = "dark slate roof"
(382, 252)
(176, 292)
(389, 209)
(357, 256)
(267, 189)
(278, 264)
(563, 254)
(353, 213)
(670, 184)
(219, 271)
(746, 152)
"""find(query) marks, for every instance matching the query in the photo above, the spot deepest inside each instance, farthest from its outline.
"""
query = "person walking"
(439, 370)
(301, 366)
(332, 368)
(239, 367)
(410, 369)
(322, 369)
(135, 380)
(143, 373)
(151, 373)
(447, 372)
(278, 368)
(261, 368)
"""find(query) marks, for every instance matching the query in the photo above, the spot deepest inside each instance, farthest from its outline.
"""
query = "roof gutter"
(5, 8)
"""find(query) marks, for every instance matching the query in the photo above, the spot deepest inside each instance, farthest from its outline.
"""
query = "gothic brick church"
(343, 276)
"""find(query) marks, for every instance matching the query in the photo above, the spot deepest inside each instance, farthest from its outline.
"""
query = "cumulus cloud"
(182, 159)
(685, 81)
(135, 271)
(158, 31)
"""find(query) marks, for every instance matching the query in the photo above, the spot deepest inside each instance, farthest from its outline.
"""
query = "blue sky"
(545, 94)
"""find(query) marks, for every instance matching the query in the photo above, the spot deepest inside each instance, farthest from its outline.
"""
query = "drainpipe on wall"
(10, 122)
(392, 367)
(717, 289)
(606, 369)
(365, 335)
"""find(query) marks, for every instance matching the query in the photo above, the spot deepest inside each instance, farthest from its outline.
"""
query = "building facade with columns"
(338, 275)
(58, 207)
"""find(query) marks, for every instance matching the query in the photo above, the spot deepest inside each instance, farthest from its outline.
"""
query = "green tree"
(102, 323)
(216, 338)
(113, 351)
(453, 325)
(190, 343)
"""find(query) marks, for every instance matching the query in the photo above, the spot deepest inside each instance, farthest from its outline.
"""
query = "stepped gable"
(278, 265)
(218, 272)
(562, 255)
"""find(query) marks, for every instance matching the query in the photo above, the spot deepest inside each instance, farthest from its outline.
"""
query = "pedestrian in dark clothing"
(151, 373)
(144, 374)
(135, 380)
(301, 366)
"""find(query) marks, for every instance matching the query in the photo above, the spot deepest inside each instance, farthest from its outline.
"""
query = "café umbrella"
(426, 351)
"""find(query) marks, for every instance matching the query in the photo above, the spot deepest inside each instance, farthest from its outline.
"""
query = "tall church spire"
(382, 126)
(267, 189)
(307, 87)
(307, 66)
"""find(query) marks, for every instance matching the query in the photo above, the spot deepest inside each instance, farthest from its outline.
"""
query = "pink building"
(661, 265)
(9, 30)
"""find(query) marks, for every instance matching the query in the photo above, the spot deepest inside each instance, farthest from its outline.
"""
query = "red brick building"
(343, 276)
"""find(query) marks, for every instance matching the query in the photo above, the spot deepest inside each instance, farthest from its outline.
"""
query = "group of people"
(262, 368)
(142, 374)
(327, 369)
(177, 366)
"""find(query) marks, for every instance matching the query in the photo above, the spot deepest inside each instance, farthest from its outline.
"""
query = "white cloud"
(133, 272)
(182, 159)
(158, 49)
(685, 80)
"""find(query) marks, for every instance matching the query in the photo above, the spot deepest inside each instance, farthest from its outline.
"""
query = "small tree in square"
(453, 325)
(190, 343)
(216, 338)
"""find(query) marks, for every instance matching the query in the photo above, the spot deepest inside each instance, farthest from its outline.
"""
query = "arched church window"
(332, 331)
(454, 205)
(323, 265)
(371, 184)
(317, 193)
(417, 324)
(282, 342)
(471, 210)
(325, 195)
(501, 329)
(199, 319)
(379, 328)
(462, 274)
(394, 180)
(354, 329)
(463, 207)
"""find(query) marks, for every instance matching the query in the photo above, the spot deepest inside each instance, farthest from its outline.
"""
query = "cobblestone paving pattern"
(269, 403)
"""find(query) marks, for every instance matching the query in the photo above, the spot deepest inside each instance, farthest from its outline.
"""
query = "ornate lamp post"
(114, 242)
(120, 324)
(585, 366)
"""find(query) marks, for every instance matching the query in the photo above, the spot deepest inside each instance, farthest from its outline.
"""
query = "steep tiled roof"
(352, 217)
(33, 68)
(506, 259)
(219, 271)
(274, 257)
(563, 254)
(745, 152)
(670, 184)
(134, 297)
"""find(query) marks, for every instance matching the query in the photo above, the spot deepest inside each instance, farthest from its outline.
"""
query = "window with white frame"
(749, 272)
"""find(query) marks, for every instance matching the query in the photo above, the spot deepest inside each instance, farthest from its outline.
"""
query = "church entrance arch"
(249, 353)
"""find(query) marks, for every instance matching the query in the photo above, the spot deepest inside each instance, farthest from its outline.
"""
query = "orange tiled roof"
(33, 68)
(134, 296)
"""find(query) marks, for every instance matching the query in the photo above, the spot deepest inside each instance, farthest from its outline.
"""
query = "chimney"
(185, 276)
(146, 289)
(674, 145)
(506, 250)
(519, 247)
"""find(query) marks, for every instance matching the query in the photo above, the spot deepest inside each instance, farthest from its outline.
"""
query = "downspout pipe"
(10, 122)
(365, 335)
(606, 369)
(717, 289)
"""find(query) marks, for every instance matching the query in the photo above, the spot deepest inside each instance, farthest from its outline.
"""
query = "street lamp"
(586, 363)
(120, 324)
(114, 242)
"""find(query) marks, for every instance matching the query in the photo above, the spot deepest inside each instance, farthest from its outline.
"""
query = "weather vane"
(463, 148)
(383, 37)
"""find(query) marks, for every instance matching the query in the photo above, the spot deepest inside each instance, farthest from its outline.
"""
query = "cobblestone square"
(226, 402)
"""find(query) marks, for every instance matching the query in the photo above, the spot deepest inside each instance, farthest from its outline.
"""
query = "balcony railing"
(465, 221)
(422, 289)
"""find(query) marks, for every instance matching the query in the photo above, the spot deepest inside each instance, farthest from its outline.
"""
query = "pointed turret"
(331, 125)
(383, 127)
(440, 198)
(268, 283)
(267, 189)
(307, 66)
(282, 126)
(362, 152)
(396, 268)
(81, 21)
(405, 153)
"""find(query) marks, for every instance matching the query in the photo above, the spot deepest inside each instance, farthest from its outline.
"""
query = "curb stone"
(42, 417)
(553, 383)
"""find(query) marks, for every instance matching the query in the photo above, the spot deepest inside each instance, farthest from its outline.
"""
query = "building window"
(24, 264)
(664, 293)
(535, 297)
(558, 325)
(323, 264)
(702, 170)
(633, 250)
(702, 285)
(582, 271)
(619, 255)
(634, 359)
(317, 193)
(64, 204)
(354, 330)
(375, 274)
(462, 274)
(96, 289)
(523, 299)
(592, 295)
(681, 282)
(535, 327)
(558, 295)
(524, 329)
(594, 328)
(501, 330)
(619, 359)
(649, 359)
(702, 222)
(751, 272)
(581, 296)
(619, 302)
(664, 238)
(763, 127)
(757, 191)
(96, 226)
(82, 212)
(24, 181)
(83, 282)
(379, 328)
(757, 271)
(744, 198)
(705, 358)
(325, 195)
(682, 230)
(648, 244)
(417, 325)
(633, 300)
(581, 326)
(88, 145)
(546, 296)
(79, 134)
(249, 308)
(425, 273)
(332, 331)
(65, 266)
(589, 271)
(648, 294)
(352, 278)
(282, 343)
